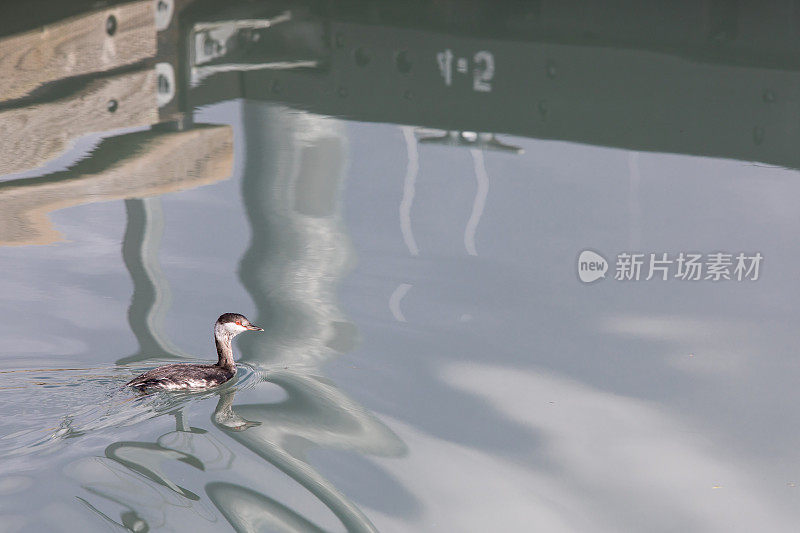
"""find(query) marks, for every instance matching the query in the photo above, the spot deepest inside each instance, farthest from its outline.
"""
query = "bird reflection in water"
(315, 414)
(133, 475)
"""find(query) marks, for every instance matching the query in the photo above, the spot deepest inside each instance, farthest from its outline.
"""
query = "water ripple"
(42, 407)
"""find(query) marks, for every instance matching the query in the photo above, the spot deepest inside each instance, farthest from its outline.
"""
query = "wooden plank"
(31, 136)
(134, 165)
(76, 46)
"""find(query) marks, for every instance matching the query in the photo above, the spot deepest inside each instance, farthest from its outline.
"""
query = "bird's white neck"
(223, 340)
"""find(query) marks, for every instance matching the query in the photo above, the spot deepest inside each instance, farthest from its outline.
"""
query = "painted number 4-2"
(482, 68)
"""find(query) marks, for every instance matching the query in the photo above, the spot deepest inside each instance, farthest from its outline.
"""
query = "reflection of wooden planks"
(76, 46)
(129, 166)
(32, 135)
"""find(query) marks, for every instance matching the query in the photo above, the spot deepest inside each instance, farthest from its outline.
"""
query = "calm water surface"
(399, 196)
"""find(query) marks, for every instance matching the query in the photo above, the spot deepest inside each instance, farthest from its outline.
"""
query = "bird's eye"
(238, 322)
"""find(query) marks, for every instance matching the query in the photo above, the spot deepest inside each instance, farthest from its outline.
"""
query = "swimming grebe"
(183, 376)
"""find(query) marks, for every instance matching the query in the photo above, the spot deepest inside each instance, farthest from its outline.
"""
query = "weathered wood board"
(95, 42)
(30, 136)
(134, 165)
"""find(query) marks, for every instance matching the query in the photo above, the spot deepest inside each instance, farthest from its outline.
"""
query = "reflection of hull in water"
(706, 78)
(295, 166)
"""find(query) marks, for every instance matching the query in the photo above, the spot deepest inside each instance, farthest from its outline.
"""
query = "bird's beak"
(253, 327)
